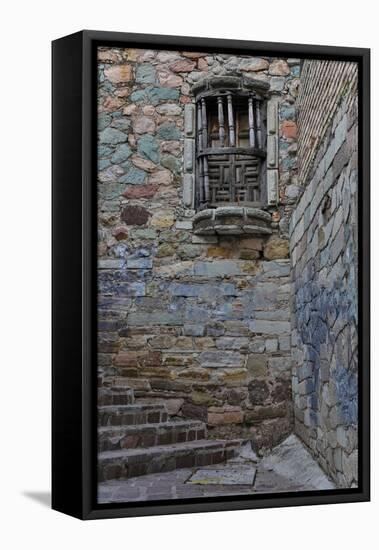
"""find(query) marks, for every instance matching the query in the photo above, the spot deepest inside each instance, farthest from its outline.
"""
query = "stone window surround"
(246, 222)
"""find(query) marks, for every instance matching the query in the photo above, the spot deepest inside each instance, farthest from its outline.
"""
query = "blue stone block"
(122, 124)
(122, 153)
(287, 112)
(148, 147)
(102, 164)
(145, 74)
(103, 120)
(169, 131)
(295, 70)
(138, 95)
(157, 94)
(104, 151)
(112, 136)
(134, 176)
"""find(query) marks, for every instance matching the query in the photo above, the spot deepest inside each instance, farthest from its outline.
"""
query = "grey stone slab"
(139, 263)
(189, 156)
(189, 120)
(270, 327)
(183, 224)
(240, 474)
(272, 116)
(217, 268)
(272, 186)
(188, 190)
(272, 151)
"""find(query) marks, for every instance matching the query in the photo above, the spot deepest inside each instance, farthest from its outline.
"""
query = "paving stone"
(226, 475)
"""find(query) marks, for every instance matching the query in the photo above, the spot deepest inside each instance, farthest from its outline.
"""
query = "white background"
(27, 29)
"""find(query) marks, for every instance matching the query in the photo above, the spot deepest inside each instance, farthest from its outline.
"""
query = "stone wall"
(323, 245)
(200, 322)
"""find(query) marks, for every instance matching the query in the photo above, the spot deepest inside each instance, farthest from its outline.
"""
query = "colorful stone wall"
(201, 322)
(323, 245)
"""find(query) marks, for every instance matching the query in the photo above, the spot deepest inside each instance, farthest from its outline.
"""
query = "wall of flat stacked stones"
(205, 320)
(323, 243)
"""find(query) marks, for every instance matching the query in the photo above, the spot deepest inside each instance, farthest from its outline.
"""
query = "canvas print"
(227, 306)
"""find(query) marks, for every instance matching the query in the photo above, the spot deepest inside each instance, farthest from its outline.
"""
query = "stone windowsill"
(232, 220)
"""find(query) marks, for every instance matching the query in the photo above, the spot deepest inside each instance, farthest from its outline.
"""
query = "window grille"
(230, 148)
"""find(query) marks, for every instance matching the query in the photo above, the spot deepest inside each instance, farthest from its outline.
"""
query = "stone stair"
(139, 438)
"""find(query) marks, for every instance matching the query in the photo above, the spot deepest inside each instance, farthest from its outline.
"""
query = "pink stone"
(140, 191)
(145, 55)
(166, 78)
(130, 109)
(254, 64)
(107, 56)
(161, 177)
(202, 65)
(119, 73)
(279, 67)
(148, 110)
(289, 129)
(193, 55)
(113, 103)
(143, 124)
(120, 233)
(172, 147)
(183, 66)
(167, 56)
(132, 140)
(227, 417)
(143, 164)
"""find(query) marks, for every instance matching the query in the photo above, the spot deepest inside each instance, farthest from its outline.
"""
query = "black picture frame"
(74, 276)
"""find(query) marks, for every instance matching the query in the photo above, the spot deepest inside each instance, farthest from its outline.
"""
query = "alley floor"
(288, 467)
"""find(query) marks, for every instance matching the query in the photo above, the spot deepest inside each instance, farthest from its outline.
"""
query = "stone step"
(115, 395)
(172, 404)
(149, 435)
(129, 415)
(163, 458)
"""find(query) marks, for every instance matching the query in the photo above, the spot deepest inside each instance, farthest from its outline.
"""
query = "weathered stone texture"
(198, 319)
(323, 243)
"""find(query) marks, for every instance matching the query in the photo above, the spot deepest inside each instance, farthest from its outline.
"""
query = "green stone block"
(148, 148)
(134, 176)
(112, 136)
(157, 95)
(145, 74)
(122, 153)
(171, 163)
(169, 131)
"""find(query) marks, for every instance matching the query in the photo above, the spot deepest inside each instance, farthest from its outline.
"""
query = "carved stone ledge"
(232, 220)
(240, 83)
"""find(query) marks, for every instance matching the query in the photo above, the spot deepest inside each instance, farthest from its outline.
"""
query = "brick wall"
(323, 83)
(323, 248)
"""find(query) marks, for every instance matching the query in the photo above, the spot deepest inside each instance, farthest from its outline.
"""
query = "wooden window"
(230, 149)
